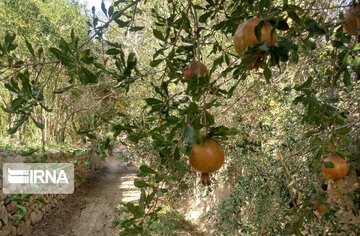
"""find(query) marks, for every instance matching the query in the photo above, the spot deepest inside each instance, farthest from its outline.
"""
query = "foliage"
(296, 100)
(172, 223)
(20, 206)
(145, 212)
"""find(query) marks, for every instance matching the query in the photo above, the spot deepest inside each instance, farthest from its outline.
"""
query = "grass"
(172, 223)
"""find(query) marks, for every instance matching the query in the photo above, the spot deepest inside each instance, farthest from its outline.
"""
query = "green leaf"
(11, 88)
(329, 164)
(306, 85)
(111, 11)
(25, 82)
(113, 51)
(294, 16)
(9, 38)
(356, 65)
(190, 135)
(17, 103)
(29, 152)
(86, 76)
(347, 78)
(343, 131)
(158, 35)
(79, 178)
(62, 57)
(86, 57)
(62, 90)
(258, 30)
(9, 45)
(356, 47)
(267, 74)
(152, 101)
(142, 197)
(18, 64)
(18, 123)
(309, 44)
(136, 28)
(40, 200)
(38, 124)
(122, 24)
(137, 211)
(30, 48)
(147, 169)
(47, 109)
(131, 61)
(282, 25)
(232, 89)
(40, 52)
(203, 18)
(209, 119)
(223, 131)
(140, 183)
(103, 8)
(155, 63)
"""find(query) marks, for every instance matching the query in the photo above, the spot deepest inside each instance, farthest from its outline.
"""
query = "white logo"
(38, 178)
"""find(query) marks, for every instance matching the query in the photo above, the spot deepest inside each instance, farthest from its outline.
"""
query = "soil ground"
(91, 209)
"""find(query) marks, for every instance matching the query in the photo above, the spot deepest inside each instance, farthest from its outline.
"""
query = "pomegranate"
(339, 169)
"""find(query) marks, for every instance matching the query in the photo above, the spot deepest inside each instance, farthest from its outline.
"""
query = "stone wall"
(36, 206)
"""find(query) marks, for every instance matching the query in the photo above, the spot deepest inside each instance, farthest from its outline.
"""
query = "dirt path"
(90, 210)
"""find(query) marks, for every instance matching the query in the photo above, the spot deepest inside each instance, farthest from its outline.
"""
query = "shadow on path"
(90, 211)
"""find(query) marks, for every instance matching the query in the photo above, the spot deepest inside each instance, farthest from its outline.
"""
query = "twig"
(116, 16)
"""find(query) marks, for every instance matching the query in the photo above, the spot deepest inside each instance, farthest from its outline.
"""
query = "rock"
(46, 208)
(28, 226)
(35, 217)
(2, 196)
(23, 228)
(40, 215)
(33, 207)
(4, 232)
(4, 216)
(11, 207)
(27, 216)
(13, 231)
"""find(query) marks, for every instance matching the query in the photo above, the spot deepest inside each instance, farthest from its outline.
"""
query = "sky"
(96, 3)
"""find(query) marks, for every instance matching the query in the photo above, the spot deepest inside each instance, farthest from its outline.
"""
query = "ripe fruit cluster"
(209, 156)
